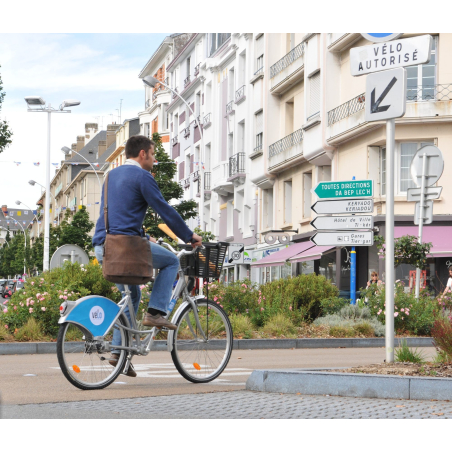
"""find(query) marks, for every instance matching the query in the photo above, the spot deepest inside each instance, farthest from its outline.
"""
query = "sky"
(97, 69)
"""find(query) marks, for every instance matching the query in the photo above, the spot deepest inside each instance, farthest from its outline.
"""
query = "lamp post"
(65, 150)
(152, 81)
(25, 239)
(37, 104)
(1, 227)
(32, 182)
(36, 218)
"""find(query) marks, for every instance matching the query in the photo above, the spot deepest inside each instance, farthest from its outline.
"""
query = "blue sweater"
(130, 191)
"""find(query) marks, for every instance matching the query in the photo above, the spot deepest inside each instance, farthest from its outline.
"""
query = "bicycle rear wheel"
(84, 361)
(196, 359)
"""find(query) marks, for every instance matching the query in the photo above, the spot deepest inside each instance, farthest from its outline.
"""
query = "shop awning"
(310, 254)
(439, 236)
(280, 257)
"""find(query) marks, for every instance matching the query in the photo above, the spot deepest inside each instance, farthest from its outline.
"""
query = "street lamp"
(1, 227)
(33, 182)
(65, 150)
(36, 218)
(152, 81)
(25, 239)
(37, 104)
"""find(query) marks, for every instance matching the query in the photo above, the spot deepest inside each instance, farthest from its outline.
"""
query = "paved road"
(33, 379)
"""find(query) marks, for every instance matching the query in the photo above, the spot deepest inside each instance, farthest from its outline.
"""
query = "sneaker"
(114, 359)
(158, 321)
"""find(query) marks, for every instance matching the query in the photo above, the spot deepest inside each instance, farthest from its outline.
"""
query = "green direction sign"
(345, 189)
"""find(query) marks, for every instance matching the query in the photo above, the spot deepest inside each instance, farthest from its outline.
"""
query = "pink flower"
(43, 308)
(32, 283)
(262, 309)
(244, 285)
(396, 314)
(215, 298)
(21, 304)
(30, 310)
(38, 295)
(221, 305)
(42, 298)
(61, 296)
(28, 302)
(15, 308)
(5, 310)
(402, 310)
(65, 298)
(32, 302)
(290, 308)
(6, 326)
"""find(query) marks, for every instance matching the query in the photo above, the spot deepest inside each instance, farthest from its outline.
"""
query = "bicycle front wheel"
(200, 359)
(84, 361)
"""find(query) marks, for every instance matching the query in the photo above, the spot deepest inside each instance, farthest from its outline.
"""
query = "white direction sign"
(427, 216)
(344, 206)
(390, 55)
(414, 194)
(351, 222)
(385, 95)
(343, 238)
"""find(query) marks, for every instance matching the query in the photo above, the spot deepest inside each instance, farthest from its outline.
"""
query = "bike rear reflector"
(76, 369)
(196, 366)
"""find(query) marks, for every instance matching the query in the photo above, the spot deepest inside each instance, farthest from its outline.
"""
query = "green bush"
(280, 325)
(342, 331)
(404, 354)
(241, 326)
(41, 296)
(410, 315)
(30, 331)
(332, 305)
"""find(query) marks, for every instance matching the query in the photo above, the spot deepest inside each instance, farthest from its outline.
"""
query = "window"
(404, 154)
(421, 79)
(288, 201)
(216, 40)
(230, 219)
(267, 211)
(188, 66)
(259, 127)
(259, 54)
(241, 137)
(314, 95)
(230, 145)
(307, 186)
(231, 80)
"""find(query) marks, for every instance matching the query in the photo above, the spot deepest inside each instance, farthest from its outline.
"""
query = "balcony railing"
(148, 102)
(349, 108)
(206, 121)
(286, 143)
(433, 93)
(237, 164)
(187, 132)
(197, 69)
(186, 81)
(159, 88)
(229, 107)
(258, 148)
(196, 175)
(186, 182)
(174, 140)
(198, 120)
(286, 60)
(240, 93)
(174, 94)
(207, 181)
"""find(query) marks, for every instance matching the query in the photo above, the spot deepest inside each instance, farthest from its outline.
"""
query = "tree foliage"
(164, 173)
(5, 131)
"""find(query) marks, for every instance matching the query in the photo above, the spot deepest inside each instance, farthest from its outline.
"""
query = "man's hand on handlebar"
(196, 240)
(151, 239)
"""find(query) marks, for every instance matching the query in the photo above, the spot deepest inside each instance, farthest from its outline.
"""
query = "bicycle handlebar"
(177, 253)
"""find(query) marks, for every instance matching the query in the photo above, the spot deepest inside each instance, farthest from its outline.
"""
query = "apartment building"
(316, 131)
(14, 220)
(128, 128)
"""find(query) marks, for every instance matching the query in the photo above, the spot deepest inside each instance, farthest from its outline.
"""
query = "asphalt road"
(35, 379)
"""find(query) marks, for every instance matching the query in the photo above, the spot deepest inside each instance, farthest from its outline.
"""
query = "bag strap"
(106, 203)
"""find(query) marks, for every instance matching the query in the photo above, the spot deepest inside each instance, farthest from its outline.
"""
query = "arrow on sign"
(375, 106)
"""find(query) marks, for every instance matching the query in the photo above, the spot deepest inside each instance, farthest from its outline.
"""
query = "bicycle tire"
(76, 369)
(191, 356)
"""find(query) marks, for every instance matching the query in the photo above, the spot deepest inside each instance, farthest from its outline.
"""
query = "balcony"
(186, 81)
(148, 102)
(240, 95)
(288, 71)
(229, 109)
(196, 72)
(174, 140)
(186, 183)
(237, 168)
(281, 153)
(220, 176)
(206, 123)
(207, 181)
(196, 176)
(422, 102)
(186, 132)
(159, 89)
(176, 90)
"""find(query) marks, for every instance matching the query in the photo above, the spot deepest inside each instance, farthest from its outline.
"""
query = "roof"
(93, 146)
(27, 217)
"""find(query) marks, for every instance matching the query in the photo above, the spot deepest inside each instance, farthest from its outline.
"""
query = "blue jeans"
(162, 260)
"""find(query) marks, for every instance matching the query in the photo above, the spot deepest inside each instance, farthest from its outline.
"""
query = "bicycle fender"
(93, 312)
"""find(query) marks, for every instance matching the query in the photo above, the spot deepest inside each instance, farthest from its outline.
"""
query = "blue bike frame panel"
(95, 313)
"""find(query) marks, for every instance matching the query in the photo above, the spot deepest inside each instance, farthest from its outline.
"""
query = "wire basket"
(207, 262)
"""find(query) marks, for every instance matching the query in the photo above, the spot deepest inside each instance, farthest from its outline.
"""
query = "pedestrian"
(373, 280)
(449, 283)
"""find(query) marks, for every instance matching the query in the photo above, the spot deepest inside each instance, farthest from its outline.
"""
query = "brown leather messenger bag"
(127, 258)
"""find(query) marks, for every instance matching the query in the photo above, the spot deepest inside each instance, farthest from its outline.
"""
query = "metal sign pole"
(389, 260)
(353, 273)
(421, 218)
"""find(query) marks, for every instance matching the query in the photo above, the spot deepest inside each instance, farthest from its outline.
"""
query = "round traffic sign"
(434, 165)
(381, 37)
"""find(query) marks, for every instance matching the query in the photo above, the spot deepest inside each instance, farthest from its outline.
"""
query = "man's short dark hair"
(136, 143)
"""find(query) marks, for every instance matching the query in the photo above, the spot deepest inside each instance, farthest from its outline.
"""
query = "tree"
(5, 131)
(77, 231)
(163, 174)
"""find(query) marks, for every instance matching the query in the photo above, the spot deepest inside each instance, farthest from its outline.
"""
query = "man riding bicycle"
(131, 189)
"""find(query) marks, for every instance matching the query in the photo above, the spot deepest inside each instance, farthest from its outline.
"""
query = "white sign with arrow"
(344, 206)
(385, 95)
(350, 222)
(343, 238)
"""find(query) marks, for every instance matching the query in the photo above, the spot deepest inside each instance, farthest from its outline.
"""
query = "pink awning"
(439, 236)
(312, 253)
(280, 257)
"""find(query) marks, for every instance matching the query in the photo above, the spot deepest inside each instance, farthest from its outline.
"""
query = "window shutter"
(181, 170)
(260, 46)
(314, 94)
(191, 163)
(259, 123)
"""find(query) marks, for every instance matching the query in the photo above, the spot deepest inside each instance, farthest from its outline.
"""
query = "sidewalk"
(27, 348)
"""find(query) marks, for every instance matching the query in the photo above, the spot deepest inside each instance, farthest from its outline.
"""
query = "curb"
(318, 382)
(32, 348)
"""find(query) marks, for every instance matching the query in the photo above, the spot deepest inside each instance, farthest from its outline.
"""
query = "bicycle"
(200, 347)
